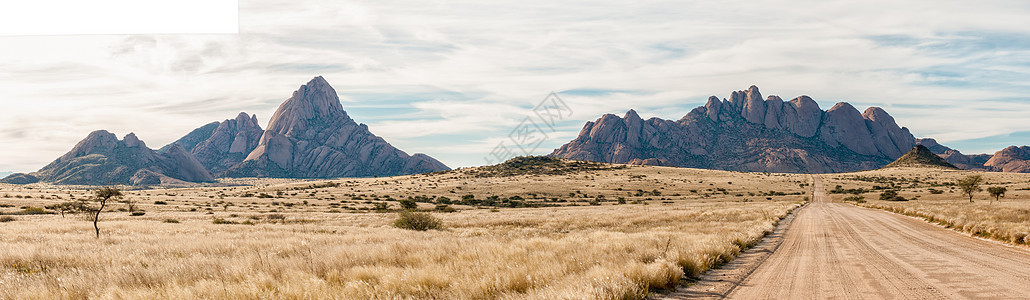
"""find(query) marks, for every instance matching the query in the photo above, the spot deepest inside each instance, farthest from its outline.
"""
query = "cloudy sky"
(452, 78)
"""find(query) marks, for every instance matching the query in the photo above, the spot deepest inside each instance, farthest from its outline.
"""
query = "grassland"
(607, 233)
(931, 195)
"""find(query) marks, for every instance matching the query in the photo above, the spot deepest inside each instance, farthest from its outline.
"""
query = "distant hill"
(1013, 159)
(921, 157)
(102, 159)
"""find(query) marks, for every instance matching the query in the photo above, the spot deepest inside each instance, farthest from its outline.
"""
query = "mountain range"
(309, 136)
(747, 132)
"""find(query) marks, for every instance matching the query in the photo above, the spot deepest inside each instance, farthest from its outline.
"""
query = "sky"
(452, 78)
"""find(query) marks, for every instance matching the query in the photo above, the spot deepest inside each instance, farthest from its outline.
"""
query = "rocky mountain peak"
(314, 104)
(712, 108)
(311, 136)
(100, 141)
(754, 106)
(131, 141)
(220, 145)
(631, 114)
(245, 120)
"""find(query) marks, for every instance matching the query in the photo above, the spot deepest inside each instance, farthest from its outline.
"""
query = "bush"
(31, 210)
(222, 221)
(408, 204)
(856, 199)
(417, 221)
(160, 203)
(5, 219)
(173, 221)
(890, 195)
(443, 200)
(445, 208)
(137, 213)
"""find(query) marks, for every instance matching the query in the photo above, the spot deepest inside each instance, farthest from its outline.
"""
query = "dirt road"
(840, 251)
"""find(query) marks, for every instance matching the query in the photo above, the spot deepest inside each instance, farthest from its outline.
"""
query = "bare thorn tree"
(101, 197)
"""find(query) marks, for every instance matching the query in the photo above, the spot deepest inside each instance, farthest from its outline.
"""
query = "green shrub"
(417, 221)
(221, 221)
(443, 200)
(891, 195)
(32, 210)
(408, 204)
(856, 199)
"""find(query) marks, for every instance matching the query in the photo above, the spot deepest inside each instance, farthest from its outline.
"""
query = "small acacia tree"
(970, 185)
(997, 192)
(68, 207)
(101, 196)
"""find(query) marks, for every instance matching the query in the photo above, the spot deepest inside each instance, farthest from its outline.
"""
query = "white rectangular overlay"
(65, 17)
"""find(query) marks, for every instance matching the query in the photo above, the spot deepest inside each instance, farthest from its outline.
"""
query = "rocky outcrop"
(843, 125)
(747, 133)
(801, 116)
(889, 138)
(102, 159)
(221, 145)
(311, 136)
(1011, 159)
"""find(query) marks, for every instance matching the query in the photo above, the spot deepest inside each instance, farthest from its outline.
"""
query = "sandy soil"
(840, 251)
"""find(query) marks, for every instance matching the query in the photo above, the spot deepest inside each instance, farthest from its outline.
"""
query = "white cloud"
(468, 71)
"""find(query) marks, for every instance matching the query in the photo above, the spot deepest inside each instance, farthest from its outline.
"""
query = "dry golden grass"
(1007, 220)
(606, 251)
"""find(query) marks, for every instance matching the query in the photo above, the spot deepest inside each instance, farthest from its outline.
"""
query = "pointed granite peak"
(712, 108)
(245, 120)
(131, 140)
(631, 114)
(754, 106)
(314, 104)
(311, 136)
(243, 117)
